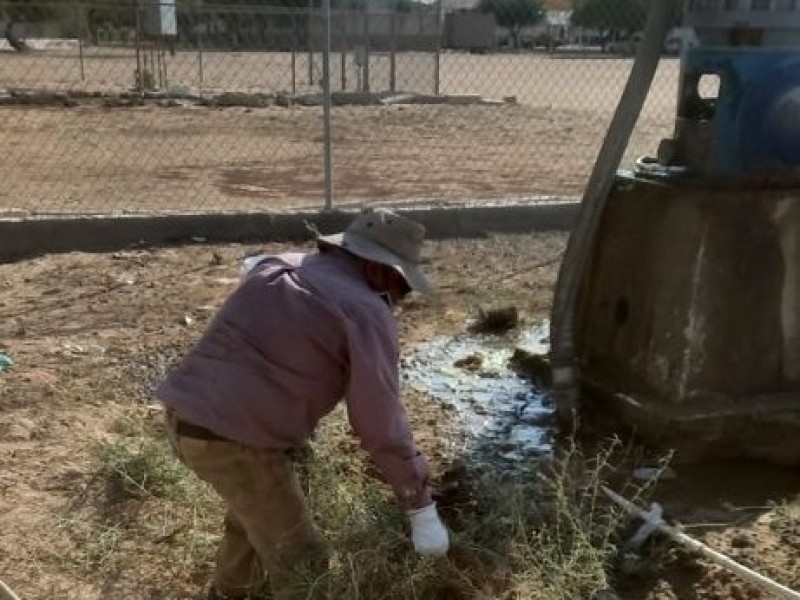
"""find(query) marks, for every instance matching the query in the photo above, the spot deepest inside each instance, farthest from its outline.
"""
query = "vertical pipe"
(437, 73)
(326, 107)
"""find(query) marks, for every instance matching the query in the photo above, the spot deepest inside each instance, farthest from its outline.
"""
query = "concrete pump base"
(688, 328)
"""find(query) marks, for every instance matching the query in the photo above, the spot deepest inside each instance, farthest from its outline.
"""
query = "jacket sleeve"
(374, 408)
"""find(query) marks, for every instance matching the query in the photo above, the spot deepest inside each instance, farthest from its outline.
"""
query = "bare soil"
(90, 334)
(97, 159)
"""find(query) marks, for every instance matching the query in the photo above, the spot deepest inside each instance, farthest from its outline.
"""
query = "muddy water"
(500, 415)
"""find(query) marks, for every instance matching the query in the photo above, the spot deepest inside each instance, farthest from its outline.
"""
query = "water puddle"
(503, 416)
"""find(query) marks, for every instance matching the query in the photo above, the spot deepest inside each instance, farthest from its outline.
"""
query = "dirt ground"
(90, 334)
(92, 158)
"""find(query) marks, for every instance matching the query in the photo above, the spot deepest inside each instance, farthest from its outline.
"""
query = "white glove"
(428, 532)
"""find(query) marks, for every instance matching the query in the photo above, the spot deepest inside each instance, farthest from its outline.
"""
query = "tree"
(613, 15)
(514, 14)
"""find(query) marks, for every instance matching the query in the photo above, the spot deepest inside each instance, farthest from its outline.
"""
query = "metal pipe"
(697, 546)
(326, 107)
(582, 239)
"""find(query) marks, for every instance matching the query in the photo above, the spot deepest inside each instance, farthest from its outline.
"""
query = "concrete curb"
(181, 96)
(27, 237)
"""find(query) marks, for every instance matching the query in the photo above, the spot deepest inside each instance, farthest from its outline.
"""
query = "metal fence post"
(343, 67)
(294, 54)
(310, 52)
(139, 74)
(392, 52)
(343, 40)
(326, 107)
(365, 81)
(79, 23)
(200, 56)
(437, 83)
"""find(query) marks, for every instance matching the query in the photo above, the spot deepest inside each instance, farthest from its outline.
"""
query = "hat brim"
(366, 248)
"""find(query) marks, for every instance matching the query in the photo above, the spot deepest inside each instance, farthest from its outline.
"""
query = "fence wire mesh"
(165, 106)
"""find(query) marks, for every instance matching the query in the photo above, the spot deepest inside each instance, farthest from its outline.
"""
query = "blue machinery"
(687, 321)
(750, 130)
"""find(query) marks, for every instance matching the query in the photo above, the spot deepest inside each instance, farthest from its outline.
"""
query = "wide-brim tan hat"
(385, 237)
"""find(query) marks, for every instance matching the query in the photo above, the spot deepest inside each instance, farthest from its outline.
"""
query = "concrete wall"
(22, 238)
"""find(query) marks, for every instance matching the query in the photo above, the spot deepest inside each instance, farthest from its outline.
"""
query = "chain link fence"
(165, 107)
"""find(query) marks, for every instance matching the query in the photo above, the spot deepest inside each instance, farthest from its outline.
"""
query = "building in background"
(467, 27)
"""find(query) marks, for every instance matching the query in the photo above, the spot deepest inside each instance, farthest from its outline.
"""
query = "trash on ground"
(73, 349)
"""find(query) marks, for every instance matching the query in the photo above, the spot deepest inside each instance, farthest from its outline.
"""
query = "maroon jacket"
(300, 332)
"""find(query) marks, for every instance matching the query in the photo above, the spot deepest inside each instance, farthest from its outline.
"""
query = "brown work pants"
(269, 532)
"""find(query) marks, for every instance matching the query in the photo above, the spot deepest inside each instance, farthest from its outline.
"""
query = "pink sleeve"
(374, 408)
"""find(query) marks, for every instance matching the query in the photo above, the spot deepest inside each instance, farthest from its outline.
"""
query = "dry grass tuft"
(543, 532)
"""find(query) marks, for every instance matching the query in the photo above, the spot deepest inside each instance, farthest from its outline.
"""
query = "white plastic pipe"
(6, 593)
(716, 557)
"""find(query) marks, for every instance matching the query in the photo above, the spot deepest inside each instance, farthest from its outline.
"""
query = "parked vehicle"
(678, 39)
(626, 46)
